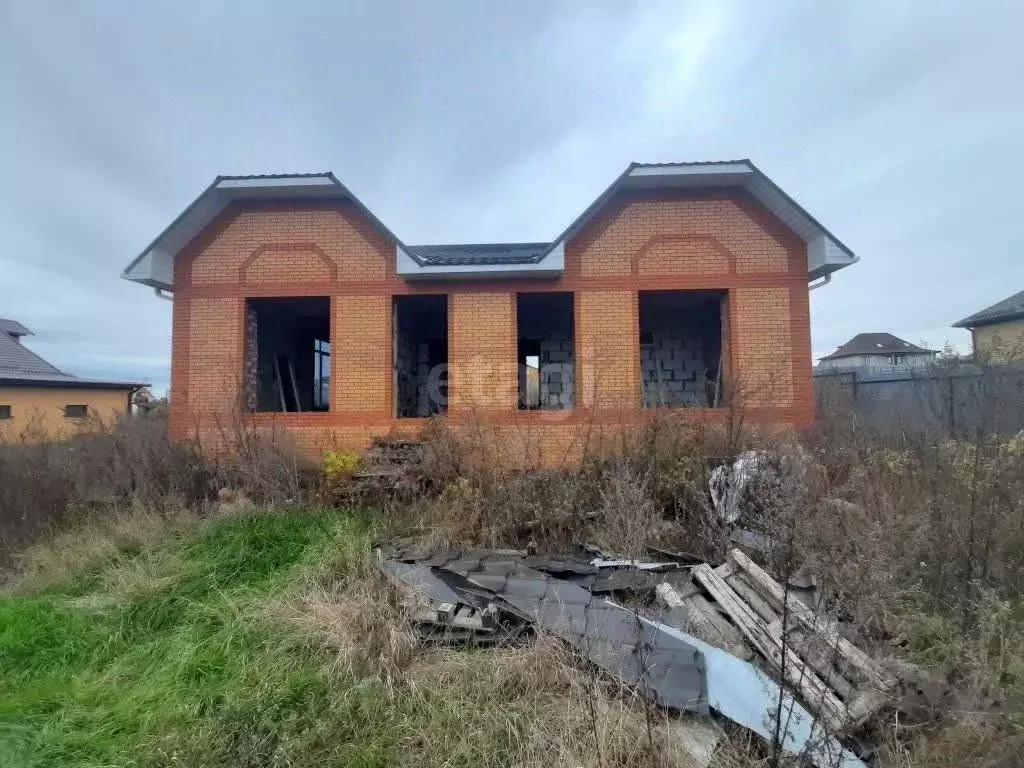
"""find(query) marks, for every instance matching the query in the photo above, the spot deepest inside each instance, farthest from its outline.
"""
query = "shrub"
(133, 463)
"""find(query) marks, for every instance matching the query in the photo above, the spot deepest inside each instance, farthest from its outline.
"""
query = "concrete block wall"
(557, 371)
(413, 369)
(674, 371)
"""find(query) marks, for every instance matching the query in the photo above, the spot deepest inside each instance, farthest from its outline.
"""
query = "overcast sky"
(896, 124)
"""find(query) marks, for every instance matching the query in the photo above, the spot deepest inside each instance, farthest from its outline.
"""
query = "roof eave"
(69, 383)
(973, 322)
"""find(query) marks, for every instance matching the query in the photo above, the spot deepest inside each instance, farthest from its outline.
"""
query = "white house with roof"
(878, 350)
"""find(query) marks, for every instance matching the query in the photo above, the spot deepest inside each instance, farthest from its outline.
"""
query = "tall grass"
(47, 486)
(143, 629)
(255, 641)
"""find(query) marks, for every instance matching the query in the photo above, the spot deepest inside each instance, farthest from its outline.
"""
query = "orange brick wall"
(607, 349)
(362, 325)
(704, 240)
(482, 354)
(761, 338)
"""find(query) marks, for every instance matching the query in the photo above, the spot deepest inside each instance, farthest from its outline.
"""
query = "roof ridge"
(691, 162)
(302, 175)
(537, 244)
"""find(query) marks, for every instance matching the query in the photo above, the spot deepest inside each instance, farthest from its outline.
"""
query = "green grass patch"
(168, 657)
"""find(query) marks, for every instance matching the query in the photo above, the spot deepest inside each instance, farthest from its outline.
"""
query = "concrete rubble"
(728, 640)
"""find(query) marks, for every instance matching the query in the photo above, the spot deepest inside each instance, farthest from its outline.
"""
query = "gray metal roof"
(13, 327)
(1011, 308)
(154, 266)
(17, 360)
(487, 253)
(877, 344)
(19, 365)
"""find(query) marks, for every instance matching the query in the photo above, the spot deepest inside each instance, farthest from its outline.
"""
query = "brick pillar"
(482, 352)
(215, 358)
(762, 347)
(361, 354)
(607, 349)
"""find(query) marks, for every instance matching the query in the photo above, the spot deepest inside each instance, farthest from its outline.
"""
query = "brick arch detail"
(657, 240)
(332, 268)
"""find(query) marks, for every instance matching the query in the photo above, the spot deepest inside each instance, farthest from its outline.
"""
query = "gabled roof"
(154, 266)
(1010, 308)
(19, 365)
(825, 253)
(877, 344)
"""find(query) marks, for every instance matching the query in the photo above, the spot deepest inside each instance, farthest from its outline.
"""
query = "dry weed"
(94, 542)
(365, 624)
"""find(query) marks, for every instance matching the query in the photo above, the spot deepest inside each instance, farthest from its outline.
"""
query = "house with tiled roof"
(997, 332)
(38, 400)
(682, 286)
(878, 350)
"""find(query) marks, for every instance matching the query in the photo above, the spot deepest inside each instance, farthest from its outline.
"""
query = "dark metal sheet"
(664, 668)
(420, 580)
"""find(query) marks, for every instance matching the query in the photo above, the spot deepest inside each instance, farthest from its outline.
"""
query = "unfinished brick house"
(682, 286)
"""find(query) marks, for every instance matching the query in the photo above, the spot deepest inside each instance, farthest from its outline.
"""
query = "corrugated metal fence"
(953, 401)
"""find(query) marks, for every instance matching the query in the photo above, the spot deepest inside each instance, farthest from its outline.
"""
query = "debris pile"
(728, 639)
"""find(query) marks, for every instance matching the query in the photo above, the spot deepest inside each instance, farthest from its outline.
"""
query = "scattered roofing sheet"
(668, 671)
(742, 693)
(1010, 308)
(877, 344)
(420, 580)
(666, 664)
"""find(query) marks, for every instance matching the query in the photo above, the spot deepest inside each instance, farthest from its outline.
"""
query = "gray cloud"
(478, 121)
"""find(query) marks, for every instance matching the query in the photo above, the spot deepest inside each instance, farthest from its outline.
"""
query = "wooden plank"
(691, 588)
(704, 621)
(871, 672)
(784, 660)
(811, 649)
(668, 595)
(752, 598)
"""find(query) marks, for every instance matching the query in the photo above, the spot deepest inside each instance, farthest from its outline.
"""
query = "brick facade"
(702, 240)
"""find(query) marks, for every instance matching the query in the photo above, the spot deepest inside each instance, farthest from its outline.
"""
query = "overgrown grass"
(168, 655)
(268, 640)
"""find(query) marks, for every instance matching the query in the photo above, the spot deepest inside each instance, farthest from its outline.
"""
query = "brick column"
(361, 354)
(607, 349)
(762, 347)
(482, 352)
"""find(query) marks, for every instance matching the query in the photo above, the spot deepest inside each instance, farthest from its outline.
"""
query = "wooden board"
(861, 665)
(783, 659)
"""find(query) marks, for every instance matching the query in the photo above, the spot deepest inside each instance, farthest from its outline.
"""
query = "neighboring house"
(681, 285)
(997, 332)
(37, 400)
(878, 350)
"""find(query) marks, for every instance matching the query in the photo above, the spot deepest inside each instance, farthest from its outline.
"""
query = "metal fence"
(951, 401)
